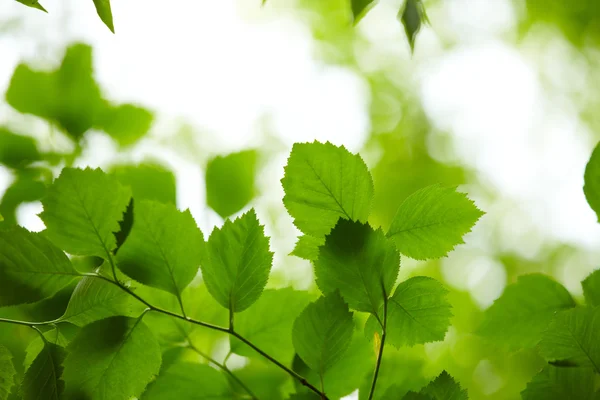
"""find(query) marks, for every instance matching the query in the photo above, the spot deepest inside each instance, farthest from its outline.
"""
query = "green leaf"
(31, 268)
(307, 247)
(33, 4)
(126, 123)
(520, 316)
(27, 187)
(412, 16)
(553, 383)
(82, 209)
(572, 338)
(111, 359)
(105, 13)
(7, 373)
(322, 183)
(359, 262)
(236, 262)
(591, 289)
(36, 346)
(444, 387)
(263, 378)
(94, 299)
(17, 151)
(591, 188)
(322, 332)
(230, 182)
(148, 181)
(360, 8)
(431, 221)
(418, 313)
(163, 248)
(43, 379)
(189, 381)
(268, 324)
(1, 218)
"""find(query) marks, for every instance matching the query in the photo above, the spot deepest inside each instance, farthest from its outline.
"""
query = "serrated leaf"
(17, 151)
(268, 323)
(31, 268)
(111, 359)
(591, 288)
(7, 373)
(82, 209)
(444, 387)
(322, 332)
(324, 182)
(105, 13)
(432, 221)
(591, 187)
(236, 262)
(163, 248)
(43, 379)
(418, 313)
(307, 247)
(36, 346)
(412, 16)
(572, 337)
(148, 181)
(519, 317)
(94, 299)
(125, 225)
(554, 383)
(359, 262)
(125, 123)
(360, 8)
(230, 182)
(191, 381)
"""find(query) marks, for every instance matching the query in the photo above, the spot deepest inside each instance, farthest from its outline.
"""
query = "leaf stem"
(27, 323)
(292, 373)
(381, 345)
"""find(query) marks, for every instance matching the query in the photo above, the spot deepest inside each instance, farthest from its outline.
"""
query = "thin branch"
(27, 323)
(381, 346)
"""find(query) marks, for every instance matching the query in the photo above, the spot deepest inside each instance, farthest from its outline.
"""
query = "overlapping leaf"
(360, 8)
(31, 268)
(591, 188)
(359, 262)
(7, 373)
(82, 209)
(148, 181)
(554, 383)
(236, 262)
(43, 379)
(431, 221)
(591, 288)
(163, 249)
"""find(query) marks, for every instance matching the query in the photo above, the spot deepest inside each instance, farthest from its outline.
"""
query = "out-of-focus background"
(499, 97)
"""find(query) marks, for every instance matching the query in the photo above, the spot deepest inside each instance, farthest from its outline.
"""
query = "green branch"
(381, 345)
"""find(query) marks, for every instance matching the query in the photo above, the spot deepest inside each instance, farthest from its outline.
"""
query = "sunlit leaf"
(148, 181)
(17, 151)
(36, 346)
(33, 4)
(43, 379)
(105, 13)
(7, 373)
(360, 8)
(591, 288)
(554, 383)
(307, 247)
(126, 123)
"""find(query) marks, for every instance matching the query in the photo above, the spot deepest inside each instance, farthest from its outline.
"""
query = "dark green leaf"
(418, 313)
(17, 151)
(163, 248)
(7, 373)
(82, 209)
(412, 16)
(572, 337)
(111, 359)
(322, 183)
(125, 226)
(431, 221)
(27, 187)
(359, 262)
(237, 262)
(268, 323)
(322, 332)
(125, 123)
(43, 379)
(591, 288)
(36, 346)
(230, 182)
(190, 382)
(554, 383)
(444, 387)
(360, 8)
(148, 181)
(520, 316)
(31, 268)
(591, 188)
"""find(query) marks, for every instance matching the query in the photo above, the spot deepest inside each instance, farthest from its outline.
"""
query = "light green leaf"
(163, 248)
(31, 268)
(268, 323)
(359, 262)
(1, 218)
(263, 378)
(520, 316)
(307, 247)
(418, 313)
(591, 289)
(572, 338)
(189, 381)
(36, 346)
(591, 188)
(148, 181)
(126, 123)
(236, 262)
(553, 383)
(43, 379)
(444, 387)
(7, 373)
(322, 183)
(17, 151)
(322, 332)
(105, 13)
(111, 359)
(82, 209)
(431, 221)
(412, 16)
(94, 299)
(230, 182)
(360, 8)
